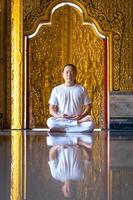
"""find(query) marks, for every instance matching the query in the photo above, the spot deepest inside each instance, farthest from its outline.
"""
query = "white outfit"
(69, 140)
(70, 101)
(69, 164)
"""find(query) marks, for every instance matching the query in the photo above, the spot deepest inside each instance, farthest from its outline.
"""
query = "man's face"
(67, 189)
(69, 75)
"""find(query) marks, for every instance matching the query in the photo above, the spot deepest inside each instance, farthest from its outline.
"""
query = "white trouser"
(70, 140)
(70, 125)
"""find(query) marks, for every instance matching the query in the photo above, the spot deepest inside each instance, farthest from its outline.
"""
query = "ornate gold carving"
(88, 55)
(115, 26)
(120, 24)
(2, 63)
(45, 60)
(8, 66)
(42, 13)
(64, 42)
(33, 16)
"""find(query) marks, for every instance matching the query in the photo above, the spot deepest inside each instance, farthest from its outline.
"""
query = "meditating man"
(69, 105)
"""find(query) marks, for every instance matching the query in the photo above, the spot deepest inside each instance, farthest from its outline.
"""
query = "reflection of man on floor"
(80, 139)
(69, 105)
(68, 163)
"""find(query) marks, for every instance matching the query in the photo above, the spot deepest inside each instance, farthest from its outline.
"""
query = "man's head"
(69, 188)
(69, 74)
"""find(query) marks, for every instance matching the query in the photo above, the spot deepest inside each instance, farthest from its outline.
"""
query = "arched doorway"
(66, 34)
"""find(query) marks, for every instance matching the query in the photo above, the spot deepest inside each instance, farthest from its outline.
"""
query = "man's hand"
(73, 117)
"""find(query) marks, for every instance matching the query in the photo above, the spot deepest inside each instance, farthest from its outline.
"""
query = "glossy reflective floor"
(37, 166)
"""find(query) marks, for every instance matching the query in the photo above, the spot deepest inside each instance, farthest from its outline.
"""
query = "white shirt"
(69, 100)
(69, 164)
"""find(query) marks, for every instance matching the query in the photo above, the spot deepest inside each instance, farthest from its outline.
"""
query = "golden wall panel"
(115, 16)
(65, 41)
(126, 56)
(45, 59)
(116, 28)
(8, 65)
(120, 16)
(2, 95)
(30, 5)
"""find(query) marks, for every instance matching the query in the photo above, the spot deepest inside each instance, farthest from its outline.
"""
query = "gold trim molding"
(16, 63)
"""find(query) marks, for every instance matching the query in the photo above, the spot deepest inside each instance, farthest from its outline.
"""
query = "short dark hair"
(73, 66)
